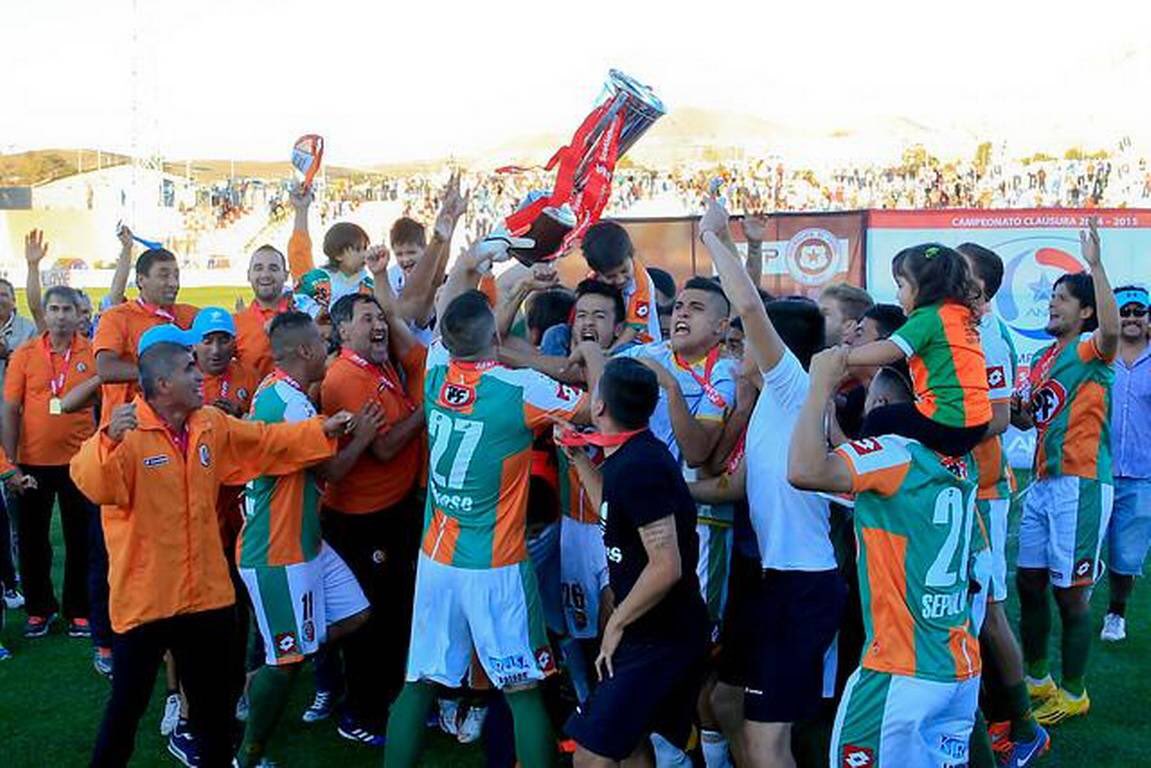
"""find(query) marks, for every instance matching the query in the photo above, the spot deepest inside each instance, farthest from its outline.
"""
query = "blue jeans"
(1129, 534)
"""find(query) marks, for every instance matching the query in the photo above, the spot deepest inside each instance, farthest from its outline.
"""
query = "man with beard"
(267, 273)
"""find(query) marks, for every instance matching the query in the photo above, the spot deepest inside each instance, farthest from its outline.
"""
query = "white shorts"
(495, 611)
(888, 720)
(295, 604)
(995, 513)
(583, 575)
(1062, 528)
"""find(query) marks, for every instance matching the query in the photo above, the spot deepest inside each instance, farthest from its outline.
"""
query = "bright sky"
(403, 80)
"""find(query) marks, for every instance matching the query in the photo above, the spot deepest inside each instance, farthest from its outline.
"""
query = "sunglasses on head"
(1133, 312)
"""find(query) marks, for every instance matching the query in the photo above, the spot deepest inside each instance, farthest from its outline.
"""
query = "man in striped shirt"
(302, 592)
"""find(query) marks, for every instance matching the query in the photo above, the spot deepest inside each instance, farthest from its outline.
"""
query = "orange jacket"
(165, 556)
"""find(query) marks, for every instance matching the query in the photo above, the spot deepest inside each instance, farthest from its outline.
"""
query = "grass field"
(219, 296)
(51, 701)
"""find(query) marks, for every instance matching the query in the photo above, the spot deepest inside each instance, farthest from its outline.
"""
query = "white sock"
(667, 755)
(715, 753)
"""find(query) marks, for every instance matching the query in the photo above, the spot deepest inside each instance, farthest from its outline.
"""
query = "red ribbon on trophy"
(584, 170)
(307, 153)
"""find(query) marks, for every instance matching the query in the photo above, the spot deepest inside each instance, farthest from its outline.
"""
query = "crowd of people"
(638, 522)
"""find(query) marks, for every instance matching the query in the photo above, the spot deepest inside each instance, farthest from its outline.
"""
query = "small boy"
(609, 252)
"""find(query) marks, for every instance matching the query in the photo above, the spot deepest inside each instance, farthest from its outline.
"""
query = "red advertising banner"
(802, 253)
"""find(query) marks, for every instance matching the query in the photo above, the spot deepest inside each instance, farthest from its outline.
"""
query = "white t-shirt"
(791, 526)
(396, 279)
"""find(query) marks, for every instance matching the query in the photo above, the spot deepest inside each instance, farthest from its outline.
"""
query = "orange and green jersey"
(947, 364)
(1071, 405)
(996, 480)
(574, 500)
(281, 512)
(915, 524)
(482, 419)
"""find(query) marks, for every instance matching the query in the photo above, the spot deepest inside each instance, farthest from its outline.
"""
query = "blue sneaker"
(320, 708)
(5, 654)
(352, 730)
(182, 746)
(1025, 753)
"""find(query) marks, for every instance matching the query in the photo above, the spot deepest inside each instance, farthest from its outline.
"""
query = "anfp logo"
(1029, 274)
(857, 757)
(457, 396)
(1047, 402)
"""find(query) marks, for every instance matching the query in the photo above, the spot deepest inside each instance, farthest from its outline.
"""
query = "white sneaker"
(171, 714)
(450, 717)
(13, 599)
(1114, 628)
(472, 725)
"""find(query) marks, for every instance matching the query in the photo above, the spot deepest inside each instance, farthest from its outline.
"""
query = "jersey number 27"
(442, 427)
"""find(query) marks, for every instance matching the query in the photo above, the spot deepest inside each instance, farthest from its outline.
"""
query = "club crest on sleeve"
(857, 757)
(456, 396)
(866, 445)
(81, 367)
(642, 310)
(205, 455)
(996, 377)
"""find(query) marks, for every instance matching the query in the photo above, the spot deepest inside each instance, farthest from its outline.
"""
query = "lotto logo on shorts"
(286, 643)
(857, 757)
(1083, 568)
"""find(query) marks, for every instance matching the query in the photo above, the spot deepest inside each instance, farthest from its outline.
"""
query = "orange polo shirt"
(350, 384)
(237, 385)
(49, 439)
(252, 345)
(158, 503)
(119, 332)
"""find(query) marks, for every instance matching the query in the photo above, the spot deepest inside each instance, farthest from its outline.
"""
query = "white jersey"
(792, 527)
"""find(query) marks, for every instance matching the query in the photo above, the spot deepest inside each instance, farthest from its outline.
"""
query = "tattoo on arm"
(658, 535)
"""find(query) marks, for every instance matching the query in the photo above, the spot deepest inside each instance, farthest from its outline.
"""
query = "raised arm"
(418, 302)
(1106, 310)
(300, 244)
(809, 464)
(754, 230)
(875, 354)
(765, 344)
(722, 489)
(116, 291)
(541, 278)
(35, 251)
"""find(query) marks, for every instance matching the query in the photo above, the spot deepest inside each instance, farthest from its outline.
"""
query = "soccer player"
(1066, 511)
(43, 439)
(302, 592)
(267, 274)
(121, 327)
(1129, 532)
(371, 517)
(1023, 740)
(789, 606)
(651, 659)
(912, 702)
(843, 306)
(609, 252)
(156, 467)
(474, 585)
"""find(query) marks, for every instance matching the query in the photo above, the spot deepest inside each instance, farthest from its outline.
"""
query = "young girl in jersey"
(940, 342)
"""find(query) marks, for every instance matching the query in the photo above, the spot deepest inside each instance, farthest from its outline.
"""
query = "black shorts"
(777, 629)
(654, 689)
(905, 419)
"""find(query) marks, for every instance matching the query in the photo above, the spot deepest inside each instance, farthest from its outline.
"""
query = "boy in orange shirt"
(43, 439)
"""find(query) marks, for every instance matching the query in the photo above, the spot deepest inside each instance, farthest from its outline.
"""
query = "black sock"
(1119, 609)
